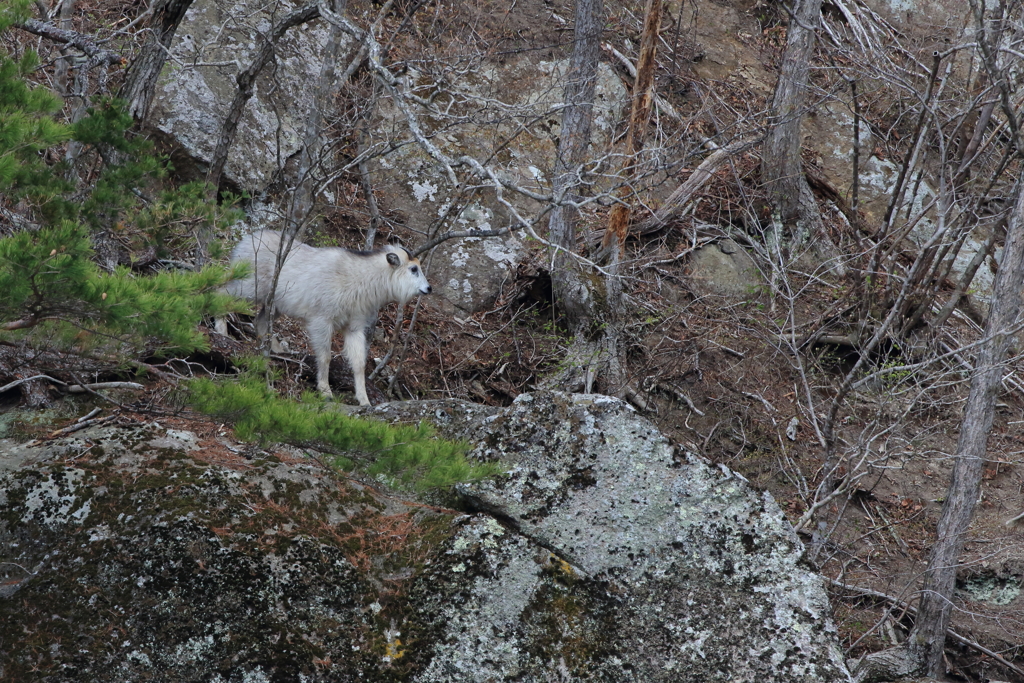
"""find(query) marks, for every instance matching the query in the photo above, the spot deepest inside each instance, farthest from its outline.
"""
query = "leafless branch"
(75, 39)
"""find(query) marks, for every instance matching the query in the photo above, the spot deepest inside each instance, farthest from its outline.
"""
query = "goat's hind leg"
(320, 333)
(355, 354)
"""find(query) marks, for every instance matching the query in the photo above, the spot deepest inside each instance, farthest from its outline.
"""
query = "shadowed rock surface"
(605, 554)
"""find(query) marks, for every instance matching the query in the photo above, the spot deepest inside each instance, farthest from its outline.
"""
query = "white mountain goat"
(328, 289)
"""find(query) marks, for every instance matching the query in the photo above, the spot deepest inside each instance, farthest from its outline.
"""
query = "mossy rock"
(604, 554)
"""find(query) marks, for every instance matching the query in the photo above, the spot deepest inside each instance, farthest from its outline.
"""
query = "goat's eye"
(415, 269)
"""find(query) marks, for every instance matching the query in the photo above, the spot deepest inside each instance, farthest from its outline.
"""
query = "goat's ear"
(394, 260)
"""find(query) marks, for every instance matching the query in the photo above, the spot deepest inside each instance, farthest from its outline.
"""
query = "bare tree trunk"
(571, 289)
(618, 221)
(67, 13)
(75, 95)
(928, 637)
(366, 183)
(640, 114)
(140, 82)
(922, 652)
(781, 167)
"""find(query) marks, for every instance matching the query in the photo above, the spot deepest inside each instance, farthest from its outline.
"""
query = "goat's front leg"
(320, 332)
(355, 353)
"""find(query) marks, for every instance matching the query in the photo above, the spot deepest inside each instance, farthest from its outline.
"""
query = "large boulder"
(609, 554)
(125, 555)
(216, 40)
(604, 554)
(508, 115)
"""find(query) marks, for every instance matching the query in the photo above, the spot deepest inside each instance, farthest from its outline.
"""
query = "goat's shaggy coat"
(328, 289)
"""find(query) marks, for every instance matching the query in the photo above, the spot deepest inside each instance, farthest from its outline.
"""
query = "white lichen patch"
(461, 543)
(500, 251)
(476, 216)
(494, 527)
(460, 257)
(193, 649)
(993, 590)
(257, 675)
(53, 501)
(879, 174)
(178, 439)
(423, 191)
(139, 657)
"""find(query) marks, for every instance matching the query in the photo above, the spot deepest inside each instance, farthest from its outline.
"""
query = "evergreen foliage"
(48, 275)
(27, 126)
(103, 128)
(52, 288)
(410, 456)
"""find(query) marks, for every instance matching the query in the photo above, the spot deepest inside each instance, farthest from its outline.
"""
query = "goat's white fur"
(328, 289)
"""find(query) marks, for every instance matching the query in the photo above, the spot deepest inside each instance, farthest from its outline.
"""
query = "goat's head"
(407, 274)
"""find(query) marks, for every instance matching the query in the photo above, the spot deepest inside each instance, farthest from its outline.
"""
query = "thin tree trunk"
(781, 167)
(67, 13)
(927, 639)
(640, 114)
(140, 82)
(366, 182)
(74, 95)
(569, 284)
(246, 81)
(922, 651)
(618, 221)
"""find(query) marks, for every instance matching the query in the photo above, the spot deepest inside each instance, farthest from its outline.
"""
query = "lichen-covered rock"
(724, 269)
(125, 557)
(830, 135)
(507, 112)
(604, 554)
(617, 558)
(215, 41)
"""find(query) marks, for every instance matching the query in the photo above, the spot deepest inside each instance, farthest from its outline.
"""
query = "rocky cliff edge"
(605, 553)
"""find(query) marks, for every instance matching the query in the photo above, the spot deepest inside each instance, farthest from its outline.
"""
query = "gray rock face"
(509, 115)
(605, 554)
(619, 558)
(216, 40)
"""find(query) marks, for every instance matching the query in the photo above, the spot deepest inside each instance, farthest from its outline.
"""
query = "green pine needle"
(408, 456)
